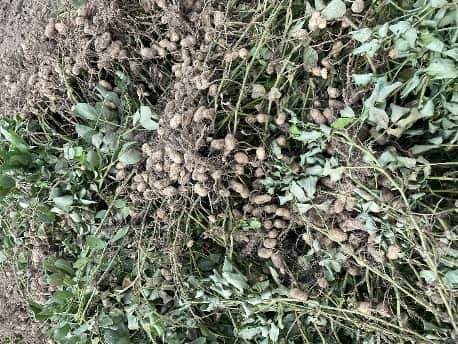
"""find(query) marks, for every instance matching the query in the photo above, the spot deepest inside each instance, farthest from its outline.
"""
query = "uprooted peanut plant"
(238, 172)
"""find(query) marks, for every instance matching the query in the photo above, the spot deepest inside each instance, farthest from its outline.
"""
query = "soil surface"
(21, 48)
(16, 323)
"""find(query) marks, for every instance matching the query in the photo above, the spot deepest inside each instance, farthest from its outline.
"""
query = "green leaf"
(406, 162)
(116, 336)
(3, 256)
(156, 325)
(63, 202)
(428, 276)
(109, 95)
(319, 5)
(442, 69)
(120, 203)
(335, 9)
(452, 107)
(310, 56)
(420, 149)
(85, 132)
(132, 322)
(309, 185)
(233, 277)
(130, 157)
(86, 111)
(411, 37)
(122, 80)
(379, 118)
(147, 118)
(15, 140)
(383, 30)
(250, 224)
(79, 332)
(362, 79)
(400, 27)
(407, 122)
(78, 3)
(97, 140)
(200, 340)
(341, 123)
(397, 112)
(435, 45)
(110, 142)
(120, 234)
(385, 89)
(452, 277)
(308, 136)
(285, 199)
(17, 160)
(368, 48)
(438, 3)
(361, 35)
(64, 265)
(248, 333)
(295, 27)
(81, 263)
(104, 320)
(298, 192)
(274, 333)
(411, 85)
(453, 53)
(347, 112)
(276, 149)
(92, 160)
(95, 243)
(236, 279)
(56, 279)
(6, 184)
(61, 297)
(61, 332)
(125, 212)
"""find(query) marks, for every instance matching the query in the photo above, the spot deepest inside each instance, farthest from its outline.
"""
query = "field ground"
(190, 171)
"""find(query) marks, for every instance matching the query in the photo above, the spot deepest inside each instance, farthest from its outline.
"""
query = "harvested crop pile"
(224, 172)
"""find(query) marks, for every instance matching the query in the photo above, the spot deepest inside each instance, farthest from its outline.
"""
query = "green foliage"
(64, 185)
(400, 139)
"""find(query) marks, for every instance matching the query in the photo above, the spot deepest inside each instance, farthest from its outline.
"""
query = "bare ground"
(21, 25)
